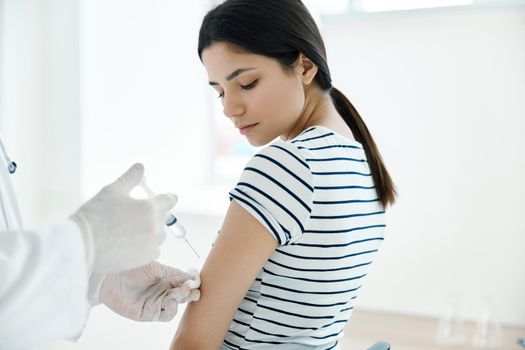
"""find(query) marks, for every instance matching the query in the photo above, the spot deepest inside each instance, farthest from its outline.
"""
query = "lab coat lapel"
(9, 211)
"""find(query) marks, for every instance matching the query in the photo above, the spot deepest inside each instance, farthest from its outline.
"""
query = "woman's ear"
(306, 69)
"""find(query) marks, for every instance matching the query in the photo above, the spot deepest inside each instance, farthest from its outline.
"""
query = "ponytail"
(383, 182)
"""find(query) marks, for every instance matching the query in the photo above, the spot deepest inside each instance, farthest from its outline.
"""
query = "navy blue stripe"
(296, 327)
(312, 280)
(256, 280)
(348, 201)
(286, 232)
(343, 187)
(246, 312)
(328, 173)
(293, 155)
(348, 308)
(308, 130)
(326, 147)
(240, 322)
(335, 159)
(310, 292)
(338, 245)
(320, 270)
(249, 197)
(231, 344)
(314, 138)
(327, 257)
(253, 301)
(346, 216)
(300, 302)
(285, 169)
(333, 346)
(260, 214)
(280, 185)
(237, 334)
(272, 334)
(327, 336)
(264, 341)
(284, 324)
(344, 231)
(274, 202)
(332, 323)
(293, 314)
(288, 336)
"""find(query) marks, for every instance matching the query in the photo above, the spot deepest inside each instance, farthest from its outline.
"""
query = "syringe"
(171, 221)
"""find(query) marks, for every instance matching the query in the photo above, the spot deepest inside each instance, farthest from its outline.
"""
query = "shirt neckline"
(350, 141)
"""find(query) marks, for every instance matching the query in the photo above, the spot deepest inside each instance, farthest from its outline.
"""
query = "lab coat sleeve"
(43, 286)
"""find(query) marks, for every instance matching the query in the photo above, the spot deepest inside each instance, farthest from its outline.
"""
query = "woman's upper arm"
(238, 255)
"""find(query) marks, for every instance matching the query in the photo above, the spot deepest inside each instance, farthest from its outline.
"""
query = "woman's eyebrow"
(234, 74)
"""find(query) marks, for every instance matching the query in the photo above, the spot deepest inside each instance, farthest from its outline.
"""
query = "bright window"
(231, 151)
(397, 5)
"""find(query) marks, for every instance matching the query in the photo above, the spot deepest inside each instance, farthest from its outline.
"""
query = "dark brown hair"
(282, 29)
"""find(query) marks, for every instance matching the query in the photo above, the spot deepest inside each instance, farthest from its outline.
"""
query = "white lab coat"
(43, 278)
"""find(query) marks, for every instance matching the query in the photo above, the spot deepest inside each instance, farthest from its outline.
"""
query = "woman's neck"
(319, 109)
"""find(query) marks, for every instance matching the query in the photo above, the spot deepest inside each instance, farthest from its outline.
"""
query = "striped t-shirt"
(316, 196)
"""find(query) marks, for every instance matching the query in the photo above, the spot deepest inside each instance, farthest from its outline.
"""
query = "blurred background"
(88, 87)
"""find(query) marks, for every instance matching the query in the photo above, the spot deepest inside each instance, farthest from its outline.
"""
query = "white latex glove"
(121, 232)
(148, 293)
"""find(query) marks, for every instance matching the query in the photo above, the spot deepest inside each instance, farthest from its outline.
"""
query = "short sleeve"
(276, 188)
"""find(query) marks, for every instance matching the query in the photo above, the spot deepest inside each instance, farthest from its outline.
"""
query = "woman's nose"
(232, 106)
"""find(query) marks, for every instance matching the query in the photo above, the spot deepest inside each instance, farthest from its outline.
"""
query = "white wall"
(443, 92)
(39, 105)
(144, 93)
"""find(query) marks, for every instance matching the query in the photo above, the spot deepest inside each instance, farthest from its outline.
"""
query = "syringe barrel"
(176, 227)
(171, 221)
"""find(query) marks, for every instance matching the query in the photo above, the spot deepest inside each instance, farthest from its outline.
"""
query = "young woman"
(307, 215)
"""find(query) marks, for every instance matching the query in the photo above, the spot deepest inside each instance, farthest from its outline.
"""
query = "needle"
(171, 221)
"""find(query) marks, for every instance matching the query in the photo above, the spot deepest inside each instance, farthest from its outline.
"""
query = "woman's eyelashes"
(244, 87)
(250, 86)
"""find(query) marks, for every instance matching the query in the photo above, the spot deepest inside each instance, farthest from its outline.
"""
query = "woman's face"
(262, 99)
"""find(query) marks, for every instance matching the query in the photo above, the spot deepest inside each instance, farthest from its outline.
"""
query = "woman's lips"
(246, 129)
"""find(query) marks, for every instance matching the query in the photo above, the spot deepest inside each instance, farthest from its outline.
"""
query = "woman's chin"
(256, 142)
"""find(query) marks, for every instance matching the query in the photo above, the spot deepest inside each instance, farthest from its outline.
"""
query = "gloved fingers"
(153, 307)
(184, 294)
(172, 274)
(165, 201)
(178, 277)
(195, 295)
(179, 294)
(194, 272)
(195, 280)
(169, 309)
(131, 178)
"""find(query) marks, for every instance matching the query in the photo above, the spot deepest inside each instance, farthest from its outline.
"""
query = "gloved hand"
(148, 293)
(121, 232)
